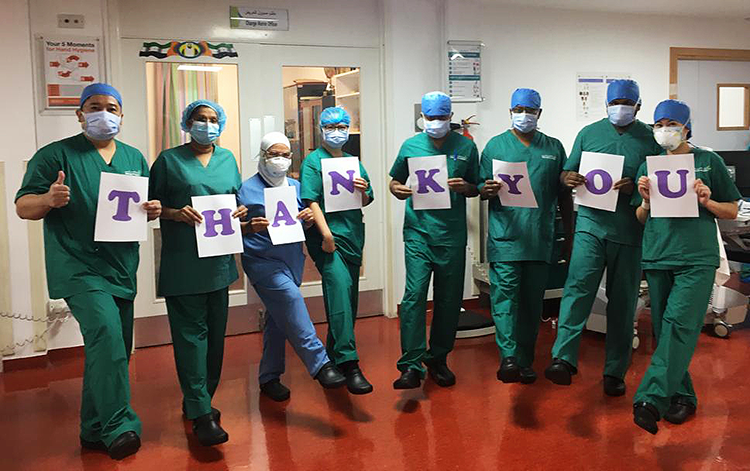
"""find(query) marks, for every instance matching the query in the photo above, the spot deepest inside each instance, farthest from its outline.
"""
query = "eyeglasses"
(271, 155)
(335, 127)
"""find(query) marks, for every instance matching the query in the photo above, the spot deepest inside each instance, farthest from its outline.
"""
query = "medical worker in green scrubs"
(605, 239)
(96, 279)
(680, 258)
(196, 289)
(520, 246)
(434, 245)
(336, 247)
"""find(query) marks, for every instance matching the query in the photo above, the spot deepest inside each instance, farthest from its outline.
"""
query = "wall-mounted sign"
(259, 18)
(465, 71)
(187, 50)
(591, 91)
(70, 64)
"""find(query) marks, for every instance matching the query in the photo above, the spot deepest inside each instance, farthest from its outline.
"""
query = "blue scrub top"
(261, 257)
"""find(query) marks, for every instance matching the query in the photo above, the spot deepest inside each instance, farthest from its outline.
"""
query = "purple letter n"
(123, 201)
(225, 219)
(339, 180)
(663, 183)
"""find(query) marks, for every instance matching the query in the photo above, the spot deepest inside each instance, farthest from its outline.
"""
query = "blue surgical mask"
(101, 125)
(621, 115)
(336, 138)
(204, 133)
(524, 122)
(437, 129)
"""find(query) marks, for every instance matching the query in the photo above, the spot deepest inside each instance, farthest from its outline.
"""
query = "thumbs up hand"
(58, 194)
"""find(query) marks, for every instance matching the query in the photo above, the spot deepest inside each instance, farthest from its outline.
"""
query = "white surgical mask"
(101, 125)
(437, 128)
(669, 137)
(524, 122)
(621, 115)
(336, 138)
(278, 166)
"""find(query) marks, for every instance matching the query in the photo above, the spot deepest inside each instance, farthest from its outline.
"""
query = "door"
(254, 98)
(699, 84)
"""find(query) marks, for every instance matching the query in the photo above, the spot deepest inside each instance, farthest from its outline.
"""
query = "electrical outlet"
(65, 20)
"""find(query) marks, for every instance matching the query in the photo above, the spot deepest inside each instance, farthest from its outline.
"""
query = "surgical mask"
(621, 115)
(669, 137)
(437, 128)
(204, 133)
(336, 138)
(524, 122)
(101, 125)
(278, 166)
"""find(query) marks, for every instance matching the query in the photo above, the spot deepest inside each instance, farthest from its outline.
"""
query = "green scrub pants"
(517, 295)
(107, 326)
(340, 280)
(623, 262)
(198, 323)
(679, 299)
(447, 266)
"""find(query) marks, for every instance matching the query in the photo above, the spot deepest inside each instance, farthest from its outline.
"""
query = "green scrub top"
(439, 227)
(75, 263)
(524, 234)
(347, 227)
(637, 142)
(177, 176)
(670, 243)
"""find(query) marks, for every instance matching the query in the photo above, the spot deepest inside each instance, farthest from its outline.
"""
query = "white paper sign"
(429, 182)
(338, 176)
(671, 190)
(602, 171)
(119, 215)
(281, 212)
(516, 189)
(219, 233)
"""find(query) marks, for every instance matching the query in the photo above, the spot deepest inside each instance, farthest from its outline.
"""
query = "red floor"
(479, 424)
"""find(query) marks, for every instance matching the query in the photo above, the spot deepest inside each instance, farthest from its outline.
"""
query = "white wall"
(544, 49)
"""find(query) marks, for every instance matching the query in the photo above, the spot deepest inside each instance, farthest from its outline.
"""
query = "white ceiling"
(735, 9)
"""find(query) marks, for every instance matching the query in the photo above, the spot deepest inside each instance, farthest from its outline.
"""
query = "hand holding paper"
(282, 214)
(516, 188)
(120, 216)
(601, 171)
(340, 175)
(429, 182)
(219, 233)
(672, 185)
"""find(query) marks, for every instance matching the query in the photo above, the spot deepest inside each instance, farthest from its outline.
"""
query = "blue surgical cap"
(334, 115)
(198, 103)
(676, 111)
(100, 89)
(623, 90)
(527, 98)
(436, 104)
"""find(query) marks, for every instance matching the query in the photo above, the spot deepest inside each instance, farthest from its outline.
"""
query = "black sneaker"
(645, 416)
(356, 382)
(527, 375)
(124, 445)
(679, 411)
(330, 377)
(409, 379)
(275, 390)
(208, 431)
(440, 373)
(560, 372)
(613, 386)
(509, 371)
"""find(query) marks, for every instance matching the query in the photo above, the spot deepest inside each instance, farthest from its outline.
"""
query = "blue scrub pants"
(287, 319)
